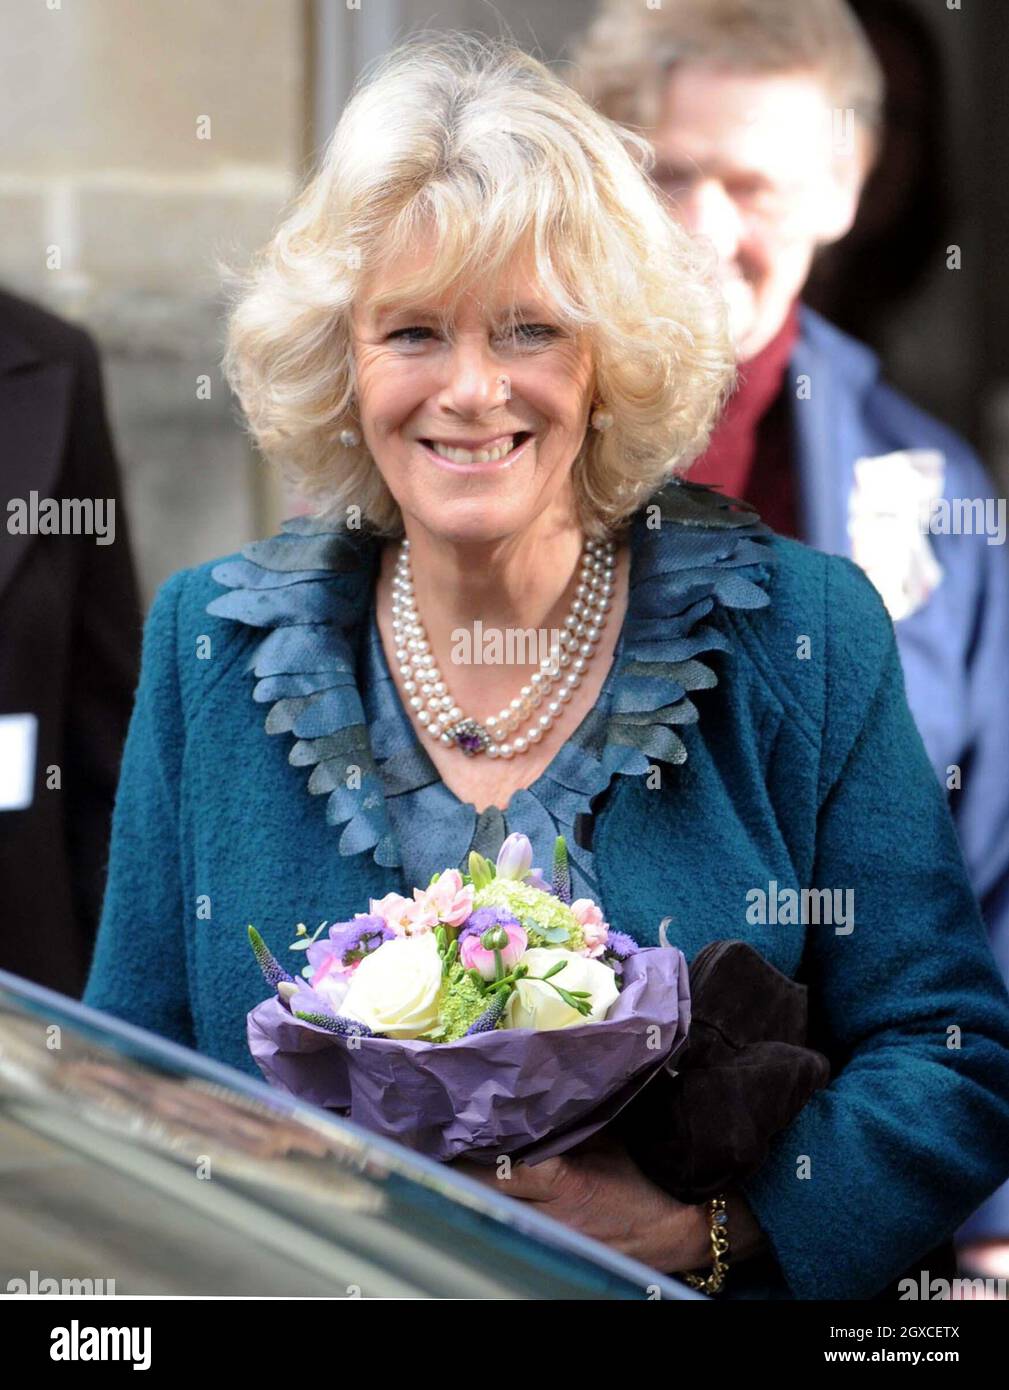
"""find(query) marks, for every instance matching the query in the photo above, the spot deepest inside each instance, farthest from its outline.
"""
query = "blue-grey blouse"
(435, 829)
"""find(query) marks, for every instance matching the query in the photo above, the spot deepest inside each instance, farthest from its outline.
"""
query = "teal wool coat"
(799, 768)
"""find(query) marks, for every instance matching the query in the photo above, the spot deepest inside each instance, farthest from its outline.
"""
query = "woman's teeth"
(454, 455)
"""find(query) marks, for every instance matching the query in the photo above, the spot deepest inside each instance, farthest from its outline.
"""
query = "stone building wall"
(142, 139)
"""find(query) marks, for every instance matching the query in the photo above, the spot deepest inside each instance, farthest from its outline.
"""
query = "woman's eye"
(524, 333)
(533, 332)
(410, 335)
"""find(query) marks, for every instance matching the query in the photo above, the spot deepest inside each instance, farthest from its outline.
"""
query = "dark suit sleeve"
(105, 647)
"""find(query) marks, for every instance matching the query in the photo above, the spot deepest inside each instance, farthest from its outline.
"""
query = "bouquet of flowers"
(486, 1015)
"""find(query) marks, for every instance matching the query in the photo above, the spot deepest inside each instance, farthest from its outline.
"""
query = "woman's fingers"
(533, 1183)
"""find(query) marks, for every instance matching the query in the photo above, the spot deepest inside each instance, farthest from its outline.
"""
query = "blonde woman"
(484, 350)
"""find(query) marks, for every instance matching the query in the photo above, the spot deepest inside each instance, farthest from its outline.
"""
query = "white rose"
(534, 1004)
(395, 989)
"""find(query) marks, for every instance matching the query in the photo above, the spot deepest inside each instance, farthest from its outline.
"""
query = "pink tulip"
(475, 956)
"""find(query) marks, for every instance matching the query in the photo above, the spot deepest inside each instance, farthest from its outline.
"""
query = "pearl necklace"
(564, 668)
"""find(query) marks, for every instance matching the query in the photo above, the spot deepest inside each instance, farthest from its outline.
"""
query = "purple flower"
(347, 945)
(304, 1004)
(491, 1016)
(478, 922)
(620, 945)
(515, 857)
(514, 860)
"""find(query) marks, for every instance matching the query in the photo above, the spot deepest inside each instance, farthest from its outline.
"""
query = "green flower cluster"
(462, 1002)
(548, 921)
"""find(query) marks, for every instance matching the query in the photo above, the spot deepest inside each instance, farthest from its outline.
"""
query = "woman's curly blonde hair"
(481, 143)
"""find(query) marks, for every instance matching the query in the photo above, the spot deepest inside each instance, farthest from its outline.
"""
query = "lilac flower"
(347, 945)
(514, 860)
(620, 945)
(515, 857)
(478, 922)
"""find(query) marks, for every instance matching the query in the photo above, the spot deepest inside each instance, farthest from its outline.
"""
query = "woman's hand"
(601, 1192)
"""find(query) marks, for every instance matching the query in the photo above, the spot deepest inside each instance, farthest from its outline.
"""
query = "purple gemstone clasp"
(470, 736)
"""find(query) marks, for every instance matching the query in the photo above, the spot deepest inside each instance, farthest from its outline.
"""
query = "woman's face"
(474, 430)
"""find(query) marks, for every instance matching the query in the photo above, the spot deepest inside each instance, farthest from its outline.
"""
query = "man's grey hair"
(621, 61)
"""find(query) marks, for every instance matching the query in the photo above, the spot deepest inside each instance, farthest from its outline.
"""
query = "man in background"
(70, 628)
(765, 118)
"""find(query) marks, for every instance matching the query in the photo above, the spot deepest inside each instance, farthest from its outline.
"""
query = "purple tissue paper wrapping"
(512, 1091)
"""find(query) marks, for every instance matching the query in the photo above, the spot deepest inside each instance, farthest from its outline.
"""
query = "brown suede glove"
(743, 1075)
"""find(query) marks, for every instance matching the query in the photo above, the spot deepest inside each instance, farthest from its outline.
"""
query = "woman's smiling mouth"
(500, 452)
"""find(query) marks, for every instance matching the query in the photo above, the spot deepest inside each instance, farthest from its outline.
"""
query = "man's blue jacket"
(954, 645)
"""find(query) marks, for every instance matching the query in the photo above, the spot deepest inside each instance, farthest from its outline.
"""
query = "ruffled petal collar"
(310, 588)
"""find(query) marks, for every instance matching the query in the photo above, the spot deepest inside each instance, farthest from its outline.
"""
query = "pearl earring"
(601, 419)
(350, 438)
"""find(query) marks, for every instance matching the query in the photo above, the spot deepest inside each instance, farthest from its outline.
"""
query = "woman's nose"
(473, 379)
